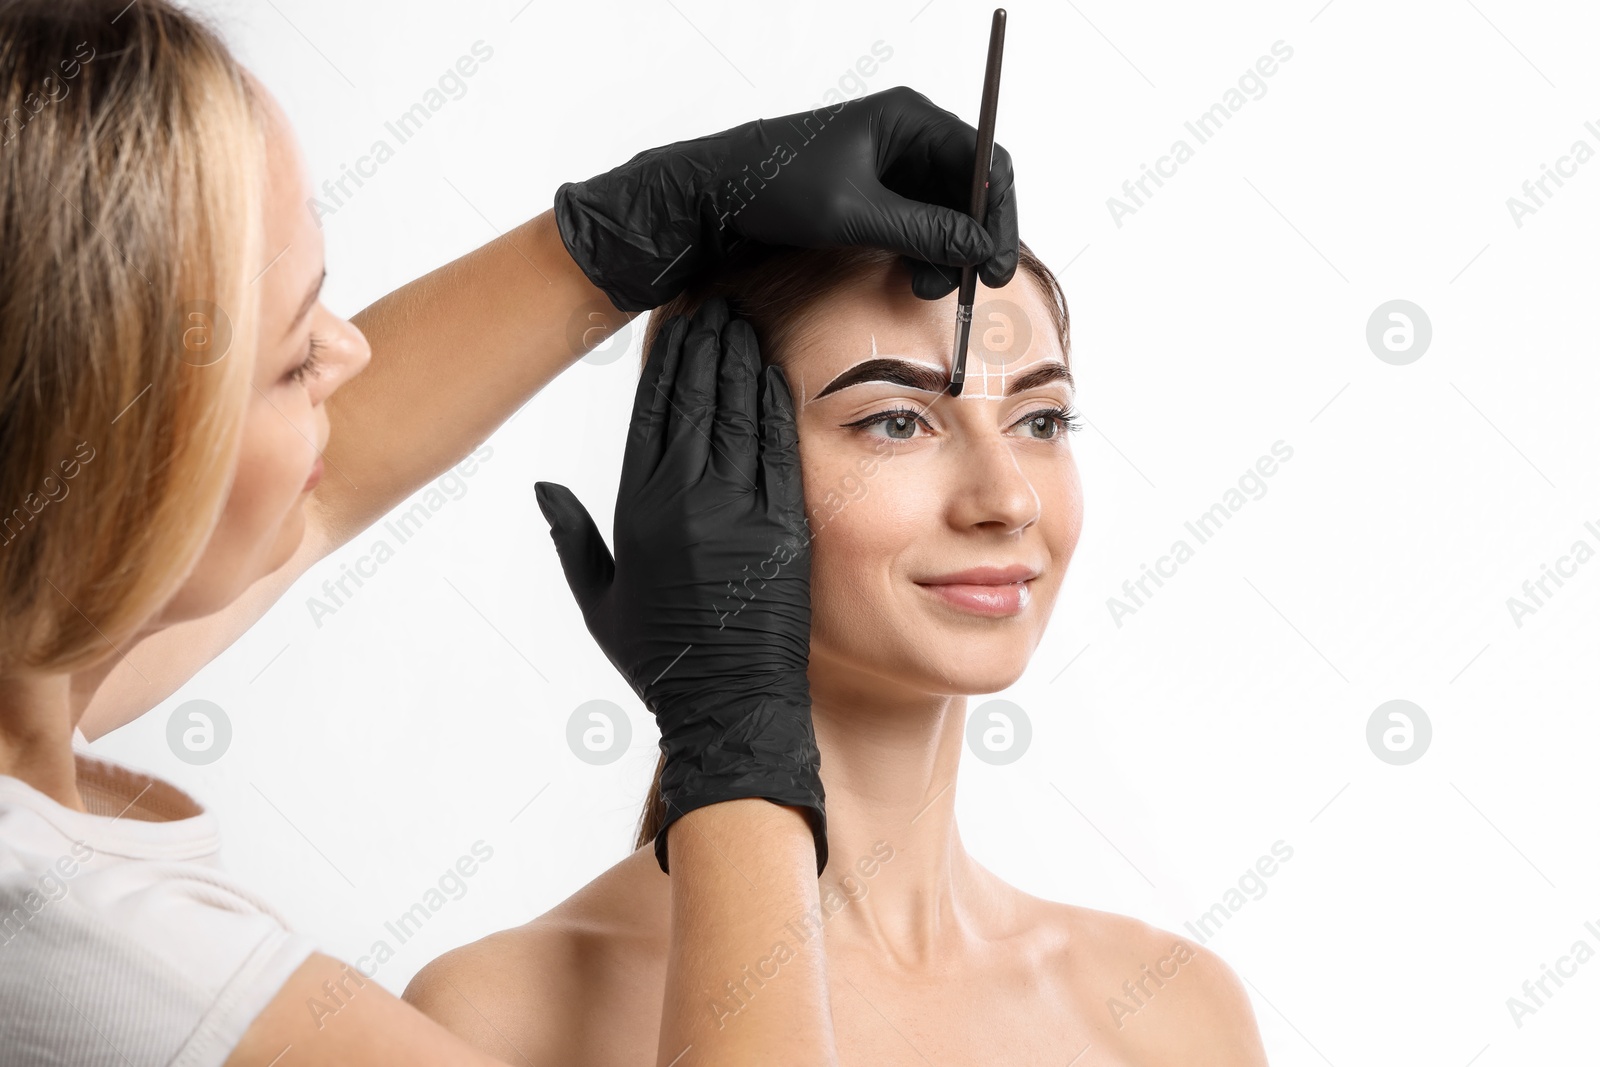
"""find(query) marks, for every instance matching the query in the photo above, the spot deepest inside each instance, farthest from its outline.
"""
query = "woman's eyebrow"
(932, 380)
(310, 298)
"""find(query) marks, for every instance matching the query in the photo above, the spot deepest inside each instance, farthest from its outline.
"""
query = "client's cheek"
(833, 490)
(1063, 512)
(861, 521)
(847, 595)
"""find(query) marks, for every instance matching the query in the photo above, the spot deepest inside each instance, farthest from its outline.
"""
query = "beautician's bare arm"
(741, 870)
(454, 354)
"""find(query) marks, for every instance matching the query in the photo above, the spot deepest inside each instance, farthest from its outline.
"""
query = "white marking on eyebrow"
(874, 354)
(966, 392)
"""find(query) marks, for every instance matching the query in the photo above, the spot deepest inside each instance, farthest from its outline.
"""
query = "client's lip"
(1016, 572)
(995, 592)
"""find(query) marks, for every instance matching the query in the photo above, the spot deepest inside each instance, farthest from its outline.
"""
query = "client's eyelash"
(312, 360)
(1065, 418)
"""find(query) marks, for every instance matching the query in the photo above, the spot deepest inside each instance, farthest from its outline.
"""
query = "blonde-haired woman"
(185, 429)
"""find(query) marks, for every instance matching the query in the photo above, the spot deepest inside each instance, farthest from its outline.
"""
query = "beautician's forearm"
(744, 879)
(454, 354)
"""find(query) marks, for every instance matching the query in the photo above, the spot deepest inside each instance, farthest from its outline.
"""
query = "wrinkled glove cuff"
(760, 747)
(589, 241)
(637, 242)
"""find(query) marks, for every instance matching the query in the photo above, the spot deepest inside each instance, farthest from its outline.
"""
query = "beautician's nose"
(346, 352)
(991, 486)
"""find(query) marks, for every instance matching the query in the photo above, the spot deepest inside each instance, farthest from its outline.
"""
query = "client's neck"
(901, 880)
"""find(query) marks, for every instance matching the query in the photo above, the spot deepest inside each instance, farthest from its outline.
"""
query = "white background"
(1228, 313)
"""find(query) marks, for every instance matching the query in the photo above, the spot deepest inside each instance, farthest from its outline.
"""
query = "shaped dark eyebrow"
(928, 380)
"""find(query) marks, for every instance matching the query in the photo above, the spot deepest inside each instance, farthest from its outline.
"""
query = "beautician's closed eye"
(308, 366)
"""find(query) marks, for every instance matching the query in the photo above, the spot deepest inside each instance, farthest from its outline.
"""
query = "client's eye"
(902, 422)
(1056, 420)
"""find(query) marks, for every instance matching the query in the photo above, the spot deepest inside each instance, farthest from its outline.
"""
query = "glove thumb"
(585, 559)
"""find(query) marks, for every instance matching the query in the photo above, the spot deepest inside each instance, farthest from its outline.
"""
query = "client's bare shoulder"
(580, 984)
(1155, 997)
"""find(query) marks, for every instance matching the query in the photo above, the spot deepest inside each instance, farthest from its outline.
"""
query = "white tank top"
(122, 941)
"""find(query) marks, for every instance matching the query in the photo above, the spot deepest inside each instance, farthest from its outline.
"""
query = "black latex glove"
(706, 608)
(890, 169)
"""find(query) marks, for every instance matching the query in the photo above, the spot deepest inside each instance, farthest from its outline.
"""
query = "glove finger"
(694, 395)
(929, 232)
(942, 173)
(932, 281)
(735, 439)
(647, 432)
(781, 481)
(585, 559)
(1000, 220)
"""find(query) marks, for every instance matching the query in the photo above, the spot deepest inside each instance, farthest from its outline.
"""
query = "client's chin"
(971, 669)
(953, 666)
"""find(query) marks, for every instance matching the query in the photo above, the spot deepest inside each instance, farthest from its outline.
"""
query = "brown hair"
(131, 183)
(777, 289)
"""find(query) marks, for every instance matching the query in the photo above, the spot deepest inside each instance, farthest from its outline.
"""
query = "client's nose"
(991, 486)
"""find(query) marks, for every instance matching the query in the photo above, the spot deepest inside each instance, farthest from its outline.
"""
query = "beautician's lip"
(315, 476)
(1016, 572)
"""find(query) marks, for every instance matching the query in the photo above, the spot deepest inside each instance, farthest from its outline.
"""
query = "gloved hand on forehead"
(706, 606)
(889, 169)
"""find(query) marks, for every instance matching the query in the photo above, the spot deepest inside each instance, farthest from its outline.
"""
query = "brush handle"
(984, 158)
(982, 162)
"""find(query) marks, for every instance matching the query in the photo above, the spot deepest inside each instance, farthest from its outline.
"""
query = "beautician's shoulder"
(1162, 997)
(568, 981)
(117, 921)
